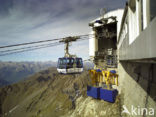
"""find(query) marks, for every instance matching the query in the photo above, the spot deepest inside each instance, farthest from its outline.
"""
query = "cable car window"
(79, 62)
(64, 61)
(68, 63)
(68, 60)
(60, 62)
(72, 61)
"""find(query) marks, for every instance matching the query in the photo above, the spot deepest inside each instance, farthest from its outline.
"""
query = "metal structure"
(102, 82)
(67, 41)
(106, 38)
(103, 53)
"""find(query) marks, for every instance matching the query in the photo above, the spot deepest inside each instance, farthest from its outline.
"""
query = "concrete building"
(137, 56)
(138, 30)
(103, 42)
(133, 40)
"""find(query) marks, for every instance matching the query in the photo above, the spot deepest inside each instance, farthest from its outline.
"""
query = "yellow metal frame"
(103, 77)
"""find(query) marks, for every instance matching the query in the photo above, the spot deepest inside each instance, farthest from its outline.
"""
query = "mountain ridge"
(49, 94)
(12, 72)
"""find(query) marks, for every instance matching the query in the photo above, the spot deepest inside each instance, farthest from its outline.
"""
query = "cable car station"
(103, 53)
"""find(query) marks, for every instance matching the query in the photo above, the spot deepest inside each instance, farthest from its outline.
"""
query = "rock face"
(49, 94)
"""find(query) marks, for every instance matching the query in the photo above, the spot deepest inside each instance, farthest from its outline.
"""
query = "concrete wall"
(137, 86)
(138, 17)
(143, 47)
(137, 41)
(92, 44)
(137, 80)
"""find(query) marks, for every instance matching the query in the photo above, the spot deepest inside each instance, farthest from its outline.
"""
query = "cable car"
(67, 65)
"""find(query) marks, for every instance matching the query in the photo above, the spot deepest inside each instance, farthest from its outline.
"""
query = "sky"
(33, 20)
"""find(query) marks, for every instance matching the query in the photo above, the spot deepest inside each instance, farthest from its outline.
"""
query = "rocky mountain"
(49, 94)
(88, 65)
(11, 72)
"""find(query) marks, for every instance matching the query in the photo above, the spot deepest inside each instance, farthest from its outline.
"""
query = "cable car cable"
(35, 42)
(10, 50)
(30, 48)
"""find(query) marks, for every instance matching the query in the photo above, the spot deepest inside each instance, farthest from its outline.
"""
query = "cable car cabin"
(67, 65)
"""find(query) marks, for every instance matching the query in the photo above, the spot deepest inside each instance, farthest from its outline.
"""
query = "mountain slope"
(49, 94)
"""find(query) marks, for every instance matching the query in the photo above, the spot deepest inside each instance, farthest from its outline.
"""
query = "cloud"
(33, 20)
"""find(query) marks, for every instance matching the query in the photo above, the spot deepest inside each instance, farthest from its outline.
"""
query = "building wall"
(92, 44)
(138, 17)
(142, 48)
(137, 66)
(138, 41)
(137, 86)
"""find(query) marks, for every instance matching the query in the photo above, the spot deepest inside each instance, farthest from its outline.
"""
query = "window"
(64, 61)
(152, 9)
(79, 62)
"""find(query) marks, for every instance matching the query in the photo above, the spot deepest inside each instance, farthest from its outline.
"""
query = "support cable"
(30, 48)
(35, 42)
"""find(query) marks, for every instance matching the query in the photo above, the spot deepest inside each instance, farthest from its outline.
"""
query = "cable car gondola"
(69, 63)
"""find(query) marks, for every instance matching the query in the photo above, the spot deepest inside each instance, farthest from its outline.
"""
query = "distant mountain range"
(3, 82)
(12, 72)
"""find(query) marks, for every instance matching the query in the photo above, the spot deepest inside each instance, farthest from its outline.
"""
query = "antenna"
(102, 12)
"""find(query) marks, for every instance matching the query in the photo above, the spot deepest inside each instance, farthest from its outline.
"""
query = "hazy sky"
(33, 20)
